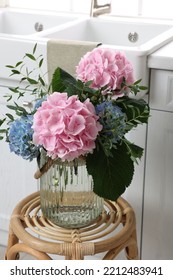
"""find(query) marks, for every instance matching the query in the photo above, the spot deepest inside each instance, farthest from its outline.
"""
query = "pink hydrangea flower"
(104, 67)
(66, 127)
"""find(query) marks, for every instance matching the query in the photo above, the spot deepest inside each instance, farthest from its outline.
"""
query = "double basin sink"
(137, 37)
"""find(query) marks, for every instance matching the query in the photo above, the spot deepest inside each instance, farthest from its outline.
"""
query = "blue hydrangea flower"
(113, 121)
(39, 102)
(20, 138)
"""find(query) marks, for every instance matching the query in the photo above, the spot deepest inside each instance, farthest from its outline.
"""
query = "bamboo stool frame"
(31, 233)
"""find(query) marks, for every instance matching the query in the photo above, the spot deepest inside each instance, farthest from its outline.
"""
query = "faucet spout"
(97, 9)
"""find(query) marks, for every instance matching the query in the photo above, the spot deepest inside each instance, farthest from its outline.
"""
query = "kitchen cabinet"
(134, 193)
(16, 178)
(157, 234)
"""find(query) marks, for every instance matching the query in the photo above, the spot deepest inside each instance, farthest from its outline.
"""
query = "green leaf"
(10, 117)
(15, 72)
(32, 81)
(135, 151)
(30, 56)
(15, 90)
(41, 62)
(18, 109)
(34, 49)
(137, 82)
(23, 79)
(9, 66)
(3, 130)
(11, 107)
(9, 97)
(2, 121)
(18, 63)
(61, 80)
(56, 82)
(72, 90)
(41, 80)
(80, 84)
(143, 87)
(87, 84)
(111, 175)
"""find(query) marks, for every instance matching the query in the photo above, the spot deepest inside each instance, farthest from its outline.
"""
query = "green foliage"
(32, 80)
(133, 150)
(135, 87)
(63, 81)
(111, 175)
(29, 80)
(3, 132)
(137, 111)
(19, 110)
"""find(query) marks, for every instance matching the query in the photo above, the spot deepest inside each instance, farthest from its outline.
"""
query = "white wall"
(147, 8)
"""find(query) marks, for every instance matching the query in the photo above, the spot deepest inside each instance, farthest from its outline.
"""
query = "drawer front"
(161, 90)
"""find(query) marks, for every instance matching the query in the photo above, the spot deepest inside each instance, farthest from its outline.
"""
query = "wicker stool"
(113, 232)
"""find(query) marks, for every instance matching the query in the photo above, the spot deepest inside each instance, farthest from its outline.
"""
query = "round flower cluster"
(105, 67)
(20, 138)
(113, 121)
(39, 102)
(66, 127)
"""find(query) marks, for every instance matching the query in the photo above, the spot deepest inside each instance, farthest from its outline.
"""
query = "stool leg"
(20, 247)
(12, 240)
(67, 257)
(112, 254)
(132, 248)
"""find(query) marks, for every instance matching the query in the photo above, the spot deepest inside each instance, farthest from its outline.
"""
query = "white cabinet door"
(158, 200)
(16, 180)
(134, 193)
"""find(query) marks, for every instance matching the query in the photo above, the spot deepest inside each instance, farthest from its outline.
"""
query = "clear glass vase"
(67, 197)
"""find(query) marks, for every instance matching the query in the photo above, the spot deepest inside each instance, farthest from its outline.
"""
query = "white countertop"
(162, 58)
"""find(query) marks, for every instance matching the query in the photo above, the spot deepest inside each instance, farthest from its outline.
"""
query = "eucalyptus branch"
(36, 83)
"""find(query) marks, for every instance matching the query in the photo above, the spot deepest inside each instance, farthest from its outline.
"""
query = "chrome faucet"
(97, 9)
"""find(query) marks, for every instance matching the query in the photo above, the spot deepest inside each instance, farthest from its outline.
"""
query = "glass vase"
(66, 192)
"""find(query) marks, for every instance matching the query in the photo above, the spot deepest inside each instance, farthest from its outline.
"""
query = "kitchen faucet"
(97, 9)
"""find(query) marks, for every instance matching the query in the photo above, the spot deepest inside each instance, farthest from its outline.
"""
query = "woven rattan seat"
(112, 232)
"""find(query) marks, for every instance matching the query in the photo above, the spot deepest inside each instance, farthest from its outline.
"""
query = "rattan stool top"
(112, 232)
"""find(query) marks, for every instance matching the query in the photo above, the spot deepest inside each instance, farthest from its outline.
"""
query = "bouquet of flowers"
(83, 116)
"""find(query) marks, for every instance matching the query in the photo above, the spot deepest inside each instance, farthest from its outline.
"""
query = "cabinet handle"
(27, 104)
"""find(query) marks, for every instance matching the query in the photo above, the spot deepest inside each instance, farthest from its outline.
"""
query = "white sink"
(115, 32)
(19, 22)
(18, 35)
(17, 32)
